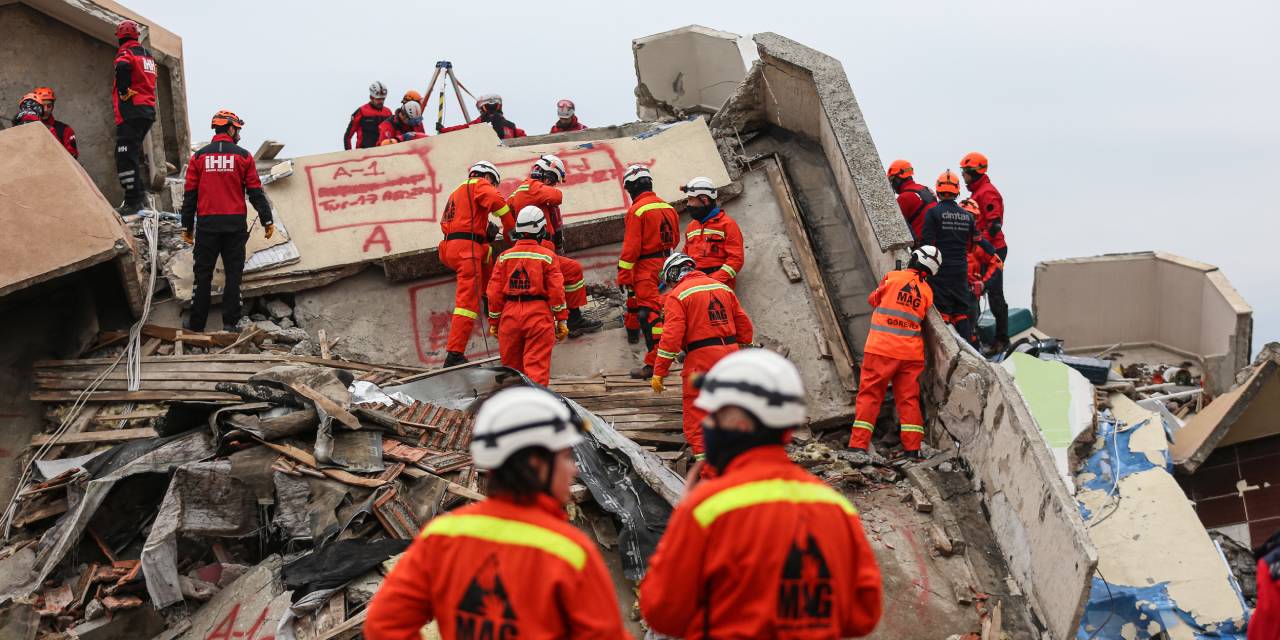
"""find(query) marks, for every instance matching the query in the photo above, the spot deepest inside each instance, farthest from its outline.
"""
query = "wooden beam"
(116, 435)
(133, 396)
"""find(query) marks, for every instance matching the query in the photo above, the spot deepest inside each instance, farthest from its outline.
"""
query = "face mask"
(723, 446)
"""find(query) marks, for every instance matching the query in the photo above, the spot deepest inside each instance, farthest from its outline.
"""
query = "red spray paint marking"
(226, 628)
(355, 192)
(597, 164)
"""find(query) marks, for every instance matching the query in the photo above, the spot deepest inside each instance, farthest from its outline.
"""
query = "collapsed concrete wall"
(688, 70)
(1149, 298)
(82, 34)
(806, 94)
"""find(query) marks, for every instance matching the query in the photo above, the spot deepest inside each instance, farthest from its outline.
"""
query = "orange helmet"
(901, 169)
(411, 95)
(948, 182)
(970, 205)
(44, 94)
(224, 117)
(975, 162)
(387, 142)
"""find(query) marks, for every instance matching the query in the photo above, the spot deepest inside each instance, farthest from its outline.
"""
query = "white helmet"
(550, 163)
(636, 172)
(518, 418)
(484, 166)
(412, 110)
(929, 257)
(488, 98)
(565, 109)
(675, 266)
(531, 221)
(759, 381)
(377, 90)
(700, 186)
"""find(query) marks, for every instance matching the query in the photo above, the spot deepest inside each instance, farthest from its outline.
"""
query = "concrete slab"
(1148, 298)
(56, 221)
(687, 70)
(1247, 412)
(1060, 399)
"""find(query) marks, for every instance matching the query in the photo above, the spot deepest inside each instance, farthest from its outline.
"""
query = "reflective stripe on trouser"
(877, 372)
(575, 285)
(525, 337)
(129, 137)
(469, 261)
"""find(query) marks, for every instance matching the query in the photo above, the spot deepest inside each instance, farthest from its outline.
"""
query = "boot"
(454, 359)
(642, 373)
(579, 324)
(633, 336)
(912, 455)
(130, 206)
(186, 326)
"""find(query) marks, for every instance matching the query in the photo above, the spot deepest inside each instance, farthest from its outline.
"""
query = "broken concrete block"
(279, 309)
(289, 336)
(267, 326)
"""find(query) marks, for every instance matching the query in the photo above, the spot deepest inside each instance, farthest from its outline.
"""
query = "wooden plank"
(116, 435)
(133, 396)
(644, 437)
(147, 375)
(428, 374)
(306, 458)
(235, 357)
(123, 385)
(329, 406)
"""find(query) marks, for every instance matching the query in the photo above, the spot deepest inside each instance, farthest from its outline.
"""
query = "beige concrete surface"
(687, 70)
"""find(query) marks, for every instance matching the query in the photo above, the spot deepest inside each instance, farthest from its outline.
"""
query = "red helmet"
(225, 117)
(128, 30)
(901, 169)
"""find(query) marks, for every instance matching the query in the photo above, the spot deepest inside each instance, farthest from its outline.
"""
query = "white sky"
(1110, 125)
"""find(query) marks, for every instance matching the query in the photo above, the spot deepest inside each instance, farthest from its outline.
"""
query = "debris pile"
(223, 471)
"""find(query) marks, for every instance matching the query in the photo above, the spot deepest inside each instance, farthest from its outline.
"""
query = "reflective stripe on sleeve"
(729, 270)
(766, 492)
(667, 354)
(503, 211)
(623, 264)
(495, 314)
(510, 532)
(575, 286)
(559, 307)
(459, 311)
(651, 206)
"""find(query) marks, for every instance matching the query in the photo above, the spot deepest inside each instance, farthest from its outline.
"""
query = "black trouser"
(129, 135)
(995, 300)
(211, 243)
(953, 298)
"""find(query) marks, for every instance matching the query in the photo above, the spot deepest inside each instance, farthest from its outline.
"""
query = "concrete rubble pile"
(259, 483)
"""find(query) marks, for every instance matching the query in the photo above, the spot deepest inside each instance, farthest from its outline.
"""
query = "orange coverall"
(894, 352)
(465, 249)
(548, 199)
(649, 237)
(716, 246)
(498, 570)
(701, 317)
(526, 297)
(766, 550)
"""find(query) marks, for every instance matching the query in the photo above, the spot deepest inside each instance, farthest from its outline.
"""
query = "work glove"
(493, 232)
(493, 329)
(128, 95)
(188, 236)
(656, 383)
(562, 330)
(268, 231)
(977, 287)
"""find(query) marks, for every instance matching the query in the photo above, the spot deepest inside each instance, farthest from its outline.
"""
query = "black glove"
(994, 228)
(492, 232)
(558, 238)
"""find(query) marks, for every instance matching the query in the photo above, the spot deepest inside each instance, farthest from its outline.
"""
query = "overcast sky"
(1110, 125)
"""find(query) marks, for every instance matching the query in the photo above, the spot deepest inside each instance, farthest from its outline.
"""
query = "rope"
(133, 353)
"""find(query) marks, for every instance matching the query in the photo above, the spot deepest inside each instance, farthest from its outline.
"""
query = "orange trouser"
(629, 319)
(877, 372)
(575, 284)
(526, 334)
(471, 263)
(697, 363)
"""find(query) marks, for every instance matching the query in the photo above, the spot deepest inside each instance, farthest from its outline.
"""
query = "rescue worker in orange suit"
(712, 238)
(219, 177)
(702, 318)
(1265, 622)
(490, 107)
(991, 223)
(952, 230)
(400, 127)
(510, 566)
(65, 135)
(764, 550)
(895, 351)
(414, 96)
(134, 99)
(914, 199)
(29, 110)
(648, 238)
(465, 249)
(526, 300)
(983, 265)
(539, 190)
(566, 118)
(366, 120)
